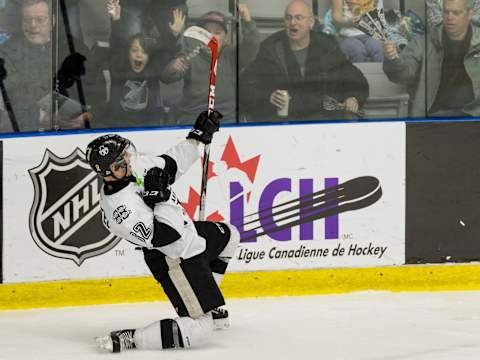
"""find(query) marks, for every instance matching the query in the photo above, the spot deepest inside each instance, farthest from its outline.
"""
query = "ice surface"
(359, 326)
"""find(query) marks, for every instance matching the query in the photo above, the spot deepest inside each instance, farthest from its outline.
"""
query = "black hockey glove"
(156, 184)
(205, 127)
(71, 69)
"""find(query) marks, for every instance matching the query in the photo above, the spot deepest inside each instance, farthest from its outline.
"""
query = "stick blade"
(198, 33)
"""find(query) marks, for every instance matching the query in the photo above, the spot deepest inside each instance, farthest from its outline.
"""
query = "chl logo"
(65, 219)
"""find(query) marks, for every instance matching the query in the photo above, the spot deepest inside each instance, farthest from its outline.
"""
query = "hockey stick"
(205, 37)
(71, 48)
(6, 99)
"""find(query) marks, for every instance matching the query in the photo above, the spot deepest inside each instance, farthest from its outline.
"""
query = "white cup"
(283, 112)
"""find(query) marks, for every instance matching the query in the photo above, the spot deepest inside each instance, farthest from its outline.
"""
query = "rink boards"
(321, 207)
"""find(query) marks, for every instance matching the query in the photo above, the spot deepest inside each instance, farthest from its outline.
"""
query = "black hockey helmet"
(105, 151)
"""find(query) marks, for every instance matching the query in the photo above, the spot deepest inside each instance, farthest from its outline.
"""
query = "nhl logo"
(65, 218)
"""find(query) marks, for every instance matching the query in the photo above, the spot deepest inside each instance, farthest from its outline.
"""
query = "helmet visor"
(126, 158)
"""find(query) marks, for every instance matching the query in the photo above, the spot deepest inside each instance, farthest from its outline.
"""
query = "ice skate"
(117, 341)
(220, 319)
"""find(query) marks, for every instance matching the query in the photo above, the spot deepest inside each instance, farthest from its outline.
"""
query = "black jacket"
(328, 72)
(135, 97)
(29, 81)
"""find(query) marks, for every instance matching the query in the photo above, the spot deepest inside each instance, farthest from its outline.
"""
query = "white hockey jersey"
(126, 215)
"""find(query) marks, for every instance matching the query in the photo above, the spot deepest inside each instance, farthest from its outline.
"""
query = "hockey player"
(187, 258)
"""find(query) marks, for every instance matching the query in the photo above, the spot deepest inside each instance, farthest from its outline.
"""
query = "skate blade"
(104, 343)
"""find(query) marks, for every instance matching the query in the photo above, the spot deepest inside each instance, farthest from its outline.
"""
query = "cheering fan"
(373, 23)
(371, 20)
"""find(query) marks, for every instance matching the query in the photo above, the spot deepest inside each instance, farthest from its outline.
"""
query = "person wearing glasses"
(30, 82)
(434, 10)
(309, 67)
(442, 68)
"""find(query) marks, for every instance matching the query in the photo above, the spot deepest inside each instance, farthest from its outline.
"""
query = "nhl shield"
(65, 218)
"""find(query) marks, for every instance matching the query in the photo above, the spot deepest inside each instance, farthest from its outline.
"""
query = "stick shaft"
(213, 45)
(8, 107)
(71, 48)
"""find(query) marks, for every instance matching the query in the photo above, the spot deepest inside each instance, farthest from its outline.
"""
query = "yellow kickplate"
(251, 284)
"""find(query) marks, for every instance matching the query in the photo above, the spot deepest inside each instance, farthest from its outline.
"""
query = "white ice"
(359, 326)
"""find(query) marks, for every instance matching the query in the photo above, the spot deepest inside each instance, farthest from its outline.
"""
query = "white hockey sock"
(195, 331)
(149, 337)
(182, 332)
(163, 334)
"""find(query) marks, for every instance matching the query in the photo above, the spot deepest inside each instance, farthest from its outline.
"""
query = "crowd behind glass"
(75, 64)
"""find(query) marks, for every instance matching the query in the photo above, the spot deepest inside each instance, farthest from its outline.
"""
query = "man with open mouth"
(446, 82)
(306, 65)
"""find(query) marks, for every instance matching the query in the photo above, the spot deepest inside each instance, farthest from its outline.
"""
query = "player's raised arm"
(185, 154)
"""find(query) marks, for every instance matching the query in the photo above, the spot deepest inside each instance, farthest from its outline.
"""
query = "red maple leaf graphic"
(231, 158)
(215, 217)
(193, 202)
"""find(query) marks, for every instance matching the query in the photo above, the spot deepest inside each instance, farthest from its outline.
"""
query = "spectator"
(28, 60)
(129, 17)
(195, 72)
(135, 95)
(309, 66)
(163, 20)
(169, 17)
(447, 82)
(434, 12)
(357, 46)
